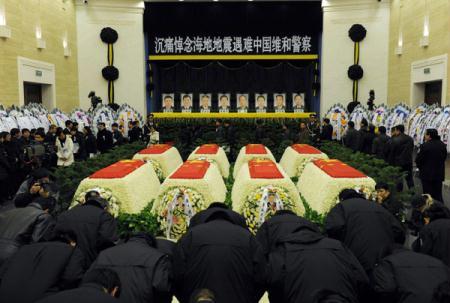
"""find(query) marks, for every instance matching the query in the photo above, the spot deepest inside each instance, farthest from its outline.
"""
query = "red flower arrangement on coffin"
(264, 169)
(305, 149)
(118, 170)
(256, 149)
(156, 149)
(338, 169)
(194, 169)
(208, 149)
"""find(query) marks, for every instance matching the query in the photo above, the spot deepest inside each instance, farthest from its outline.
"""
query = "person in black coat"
(379, 146)
(282, 223)
(201, 217)
(306, 263)
(352, 137)
(135, 133)
(431, 163)
(434, 237)
(42, 268)
(365, 227)
(143, 270)
(221, 256)
(100, 285)
(5, 169)
(386, 198)
(79, 144)
(401, 154)
(408, 277)
(327, 130)
(21, 226)
(95, 228)
(368, 138)
(104, 139)
(91, 141)
(117, 135)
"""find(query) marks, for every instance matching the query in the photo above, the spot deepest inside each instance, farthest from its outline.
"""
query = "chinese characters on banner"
(233, 45)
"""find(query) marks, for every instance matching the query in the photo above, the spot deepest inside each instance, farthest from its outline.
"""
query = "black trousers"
(408, 169)
(434, 188)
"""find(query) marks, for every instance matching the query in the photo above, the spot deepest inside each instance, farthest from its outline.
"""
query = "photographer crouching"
(37, 185)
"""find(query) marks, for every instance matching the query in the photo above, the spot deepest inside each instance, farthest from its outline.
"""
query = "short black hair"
(382, 130)
(102, 124)
(433, 133)
(364, 122)
(39, 133)
(24, 130)
(168, 97)
(382, 185)
(186, 96)
(135, 123)
(14, 131)
(351, 124)
(326, 120)
(65, 236)
(68, 122)
(104, 277)
(218, 205)
(279, 96)
(348, 193)
(400, 128)
(115, 125)
(223, 96)
(60, 131)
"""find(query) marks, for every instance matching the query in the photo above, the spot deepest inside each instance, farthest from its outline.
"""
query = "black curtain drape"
(233, 77)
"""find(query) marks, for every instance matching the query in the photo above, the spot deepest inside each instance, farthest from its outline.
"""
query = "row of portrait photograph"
(207, 103)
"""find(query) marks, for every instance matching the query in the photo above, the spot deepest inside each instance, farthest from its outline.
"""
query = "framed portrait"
(205, 103)
(167, 103)
(261, 103)
(223, 102)
(279, 102)
(298, 102)
(186, 102)
(242, 103)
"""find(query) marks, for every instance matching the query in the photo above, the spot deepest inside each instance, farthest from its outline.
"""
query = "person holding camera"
(64, 149)
(42, 188)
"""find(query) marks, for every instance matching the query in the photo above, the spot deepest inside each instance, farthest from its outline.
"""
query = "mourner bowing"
(99, 286)
(143, 270)
(221, 256)
(365, 227)
(408, 277)
(306, 263)
(95, 228)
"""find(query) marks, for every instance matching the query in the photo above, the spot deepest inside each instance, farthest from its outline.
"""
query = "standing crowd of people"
(23, 151)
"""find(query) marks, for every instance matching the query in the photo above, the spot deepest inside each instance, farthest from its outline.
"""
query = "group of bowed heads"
(358, 256)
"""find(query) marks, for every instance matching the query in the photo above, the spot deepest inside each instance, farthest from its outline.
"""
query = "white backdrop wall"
(337, 50)
(126, 17)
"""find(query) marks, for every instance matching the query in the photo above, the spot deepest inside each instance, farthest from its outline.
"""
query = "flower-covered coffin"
(261, 189)
(163, 157)
(191, 188)
(214, 154)
(133, 182)
(296, 157)
(251, 152)
(323, 180)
